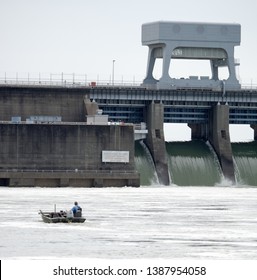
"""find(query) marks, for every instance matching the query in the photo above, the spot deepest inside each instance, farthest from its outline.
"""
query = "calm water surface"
(146, 222)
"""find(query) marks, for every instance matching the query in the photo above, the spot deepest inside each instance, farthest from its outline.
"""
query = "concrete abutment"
(66, 154)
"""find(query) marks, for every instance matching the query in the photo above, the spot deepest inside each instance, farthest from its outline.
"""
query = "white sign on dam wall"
(115, 156)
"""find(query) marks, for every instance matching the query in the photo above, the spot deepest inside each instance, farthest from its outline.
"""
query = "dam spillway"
(194, 163)
(245, 158)
(145, 165)
(191, 163)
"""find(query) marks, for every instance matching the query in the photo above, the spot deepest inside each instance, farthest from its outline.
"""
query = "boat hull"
(55, 217)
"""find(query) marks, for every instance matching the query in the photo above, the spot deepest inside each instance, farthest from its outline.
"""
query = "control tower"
(187, 40)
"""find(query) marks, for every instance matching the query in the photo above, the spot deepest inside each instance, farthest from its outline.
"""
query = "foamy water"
(146, 222)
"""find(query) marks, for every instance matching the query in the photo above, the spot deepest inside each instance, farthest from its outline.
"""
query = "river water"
(148, 222)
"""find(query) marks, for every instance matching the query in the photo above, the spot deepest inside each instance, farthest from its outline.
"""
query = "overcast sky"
(84, 37)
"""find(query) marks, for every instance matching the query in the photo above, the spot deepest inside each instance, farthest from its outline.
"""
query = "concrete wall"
(61, 147)
(68, 153)
(74, 148)
(27, 101)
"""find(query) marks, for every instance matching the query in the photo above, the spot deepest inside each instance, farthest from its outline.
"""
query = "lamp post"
(113, 71)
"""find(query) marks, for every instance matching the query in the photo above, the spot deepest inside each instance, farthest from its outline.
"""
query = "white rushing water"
(147, 222)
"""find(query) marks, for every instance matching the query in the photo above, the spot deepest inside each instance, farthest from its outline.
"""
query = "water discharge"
(245, 160)
(144, 164)
(190, 163)
(194, 163)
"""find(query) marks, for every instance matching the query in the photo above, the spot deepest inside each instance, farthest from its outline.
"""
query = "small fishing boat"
(62, 217)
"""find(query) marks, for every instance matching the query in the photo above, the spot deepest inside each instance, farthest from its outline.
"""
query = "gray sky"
(84, 37)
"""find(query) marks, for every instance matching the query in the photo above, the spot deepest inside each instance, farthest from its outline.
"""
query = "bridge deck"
(180, 106)
(128, 104)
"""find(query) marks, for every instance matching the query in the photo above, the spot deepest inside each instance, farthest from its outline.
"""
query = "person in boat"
(76, 208)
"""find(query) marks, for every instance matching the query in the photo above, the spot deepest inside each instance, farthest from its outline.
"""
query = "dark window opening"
(4, 182)
(158, 133)
(223, 134)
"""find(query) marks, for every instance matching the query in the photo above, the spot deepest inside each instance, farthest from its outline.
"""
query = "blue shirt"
(75, 208)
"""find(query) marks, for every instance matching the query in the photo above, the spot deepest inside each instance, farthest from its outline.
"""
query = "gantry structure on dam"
(189, 40)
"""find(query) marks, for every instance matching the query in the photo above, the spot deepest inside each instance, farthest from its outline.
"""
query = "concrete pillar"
(231, 64)
(149, 79)
(220, 139)
(166, 64)
(254, 127)
(90, 107)
(215, 70)
(155, 141)
(199, 131)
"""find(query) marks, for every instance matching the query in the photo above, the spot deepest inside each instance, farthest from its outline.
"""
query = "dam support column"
(220, 139)
(199, 131)
(155, 141)
(254, 127)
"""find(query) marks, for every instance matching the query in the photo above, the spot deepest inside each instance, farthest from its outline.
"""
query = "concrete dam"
(80, 134)
(54, 136)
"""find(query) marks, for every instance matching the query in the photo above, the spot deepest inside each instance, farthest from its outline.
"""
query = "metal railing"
(62, 80)
(75, 80)
(66, 171)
